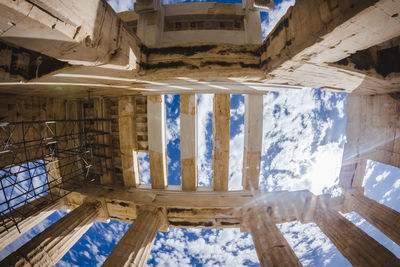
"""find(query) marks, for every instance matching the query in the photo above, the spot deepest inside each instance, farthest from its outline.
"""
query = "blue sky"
(303, 139)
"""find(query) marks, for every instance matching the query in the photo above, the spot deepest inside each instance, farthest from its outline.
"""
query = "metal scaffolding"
(46, 159)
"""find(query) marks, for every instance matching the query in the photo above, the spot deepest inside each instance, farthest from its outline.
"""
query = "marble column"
(382, 217)
(135, 246)
(48, 247)
(354, 244)
(42, 208)
(271, 247)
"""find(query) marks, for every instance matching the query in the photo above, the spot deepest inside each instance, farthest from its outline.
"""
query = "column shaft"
(382, 217)
(135, 246)
(354, 244)
(48, 247)
(43, 209)
(271, 247)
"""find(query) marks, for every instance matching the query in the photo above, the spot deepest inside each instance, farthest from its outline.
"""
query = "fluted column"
(135, 246)
(354, 244)
(271, 247)
(43, 208)
(382, 217)
(48, 247)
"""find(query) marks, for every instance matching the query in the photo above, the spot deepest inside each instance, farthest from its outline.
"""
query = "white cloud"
(236, 145)
(237, 112)
(388, 195)
(221, 247)
(121, 5)
(369, 171)
(340, 108)
(236, 160)
(396, 185)
(381, 177)
(295, 155)
(173, 129)
(274, 16)
(204, 119)
(324, 170)
(86, 254)
(169, 98)
(144, 167)
(100, 259)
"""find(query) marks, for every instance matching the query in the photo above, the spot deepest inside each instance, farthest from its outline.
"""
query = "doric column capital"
(159, 212)
(101, 205)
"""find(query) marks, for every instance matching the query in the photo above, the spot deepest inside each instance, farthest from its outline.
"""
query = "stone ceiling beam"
(128, 140)
(157, 141)
(221, 132)
(253, 130)
(175, 198)
(78, 32)
(315, 33)
(188, 117)
(200, 208)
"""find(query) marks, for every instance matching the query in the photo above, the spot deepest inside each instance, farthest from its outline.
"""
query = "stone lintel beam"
(48, 247)
(188, 117)
(271, 247)
(204, 206)
(79, 32)
(39, 210)
(315, 33)
(127, 140)
(354, 244)
(135, 246)
(210, 68)
(71, 84)
(205, 61)
(157, 141)
(221, 132)
(253, 131)
(381, 216)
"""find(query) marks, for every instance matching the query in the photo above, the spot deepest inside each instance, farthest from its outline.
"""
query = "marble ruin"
(81, 93)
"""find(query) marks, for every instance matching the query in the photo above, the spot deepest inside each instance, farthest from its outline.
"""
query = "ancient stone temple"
(82, 93)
